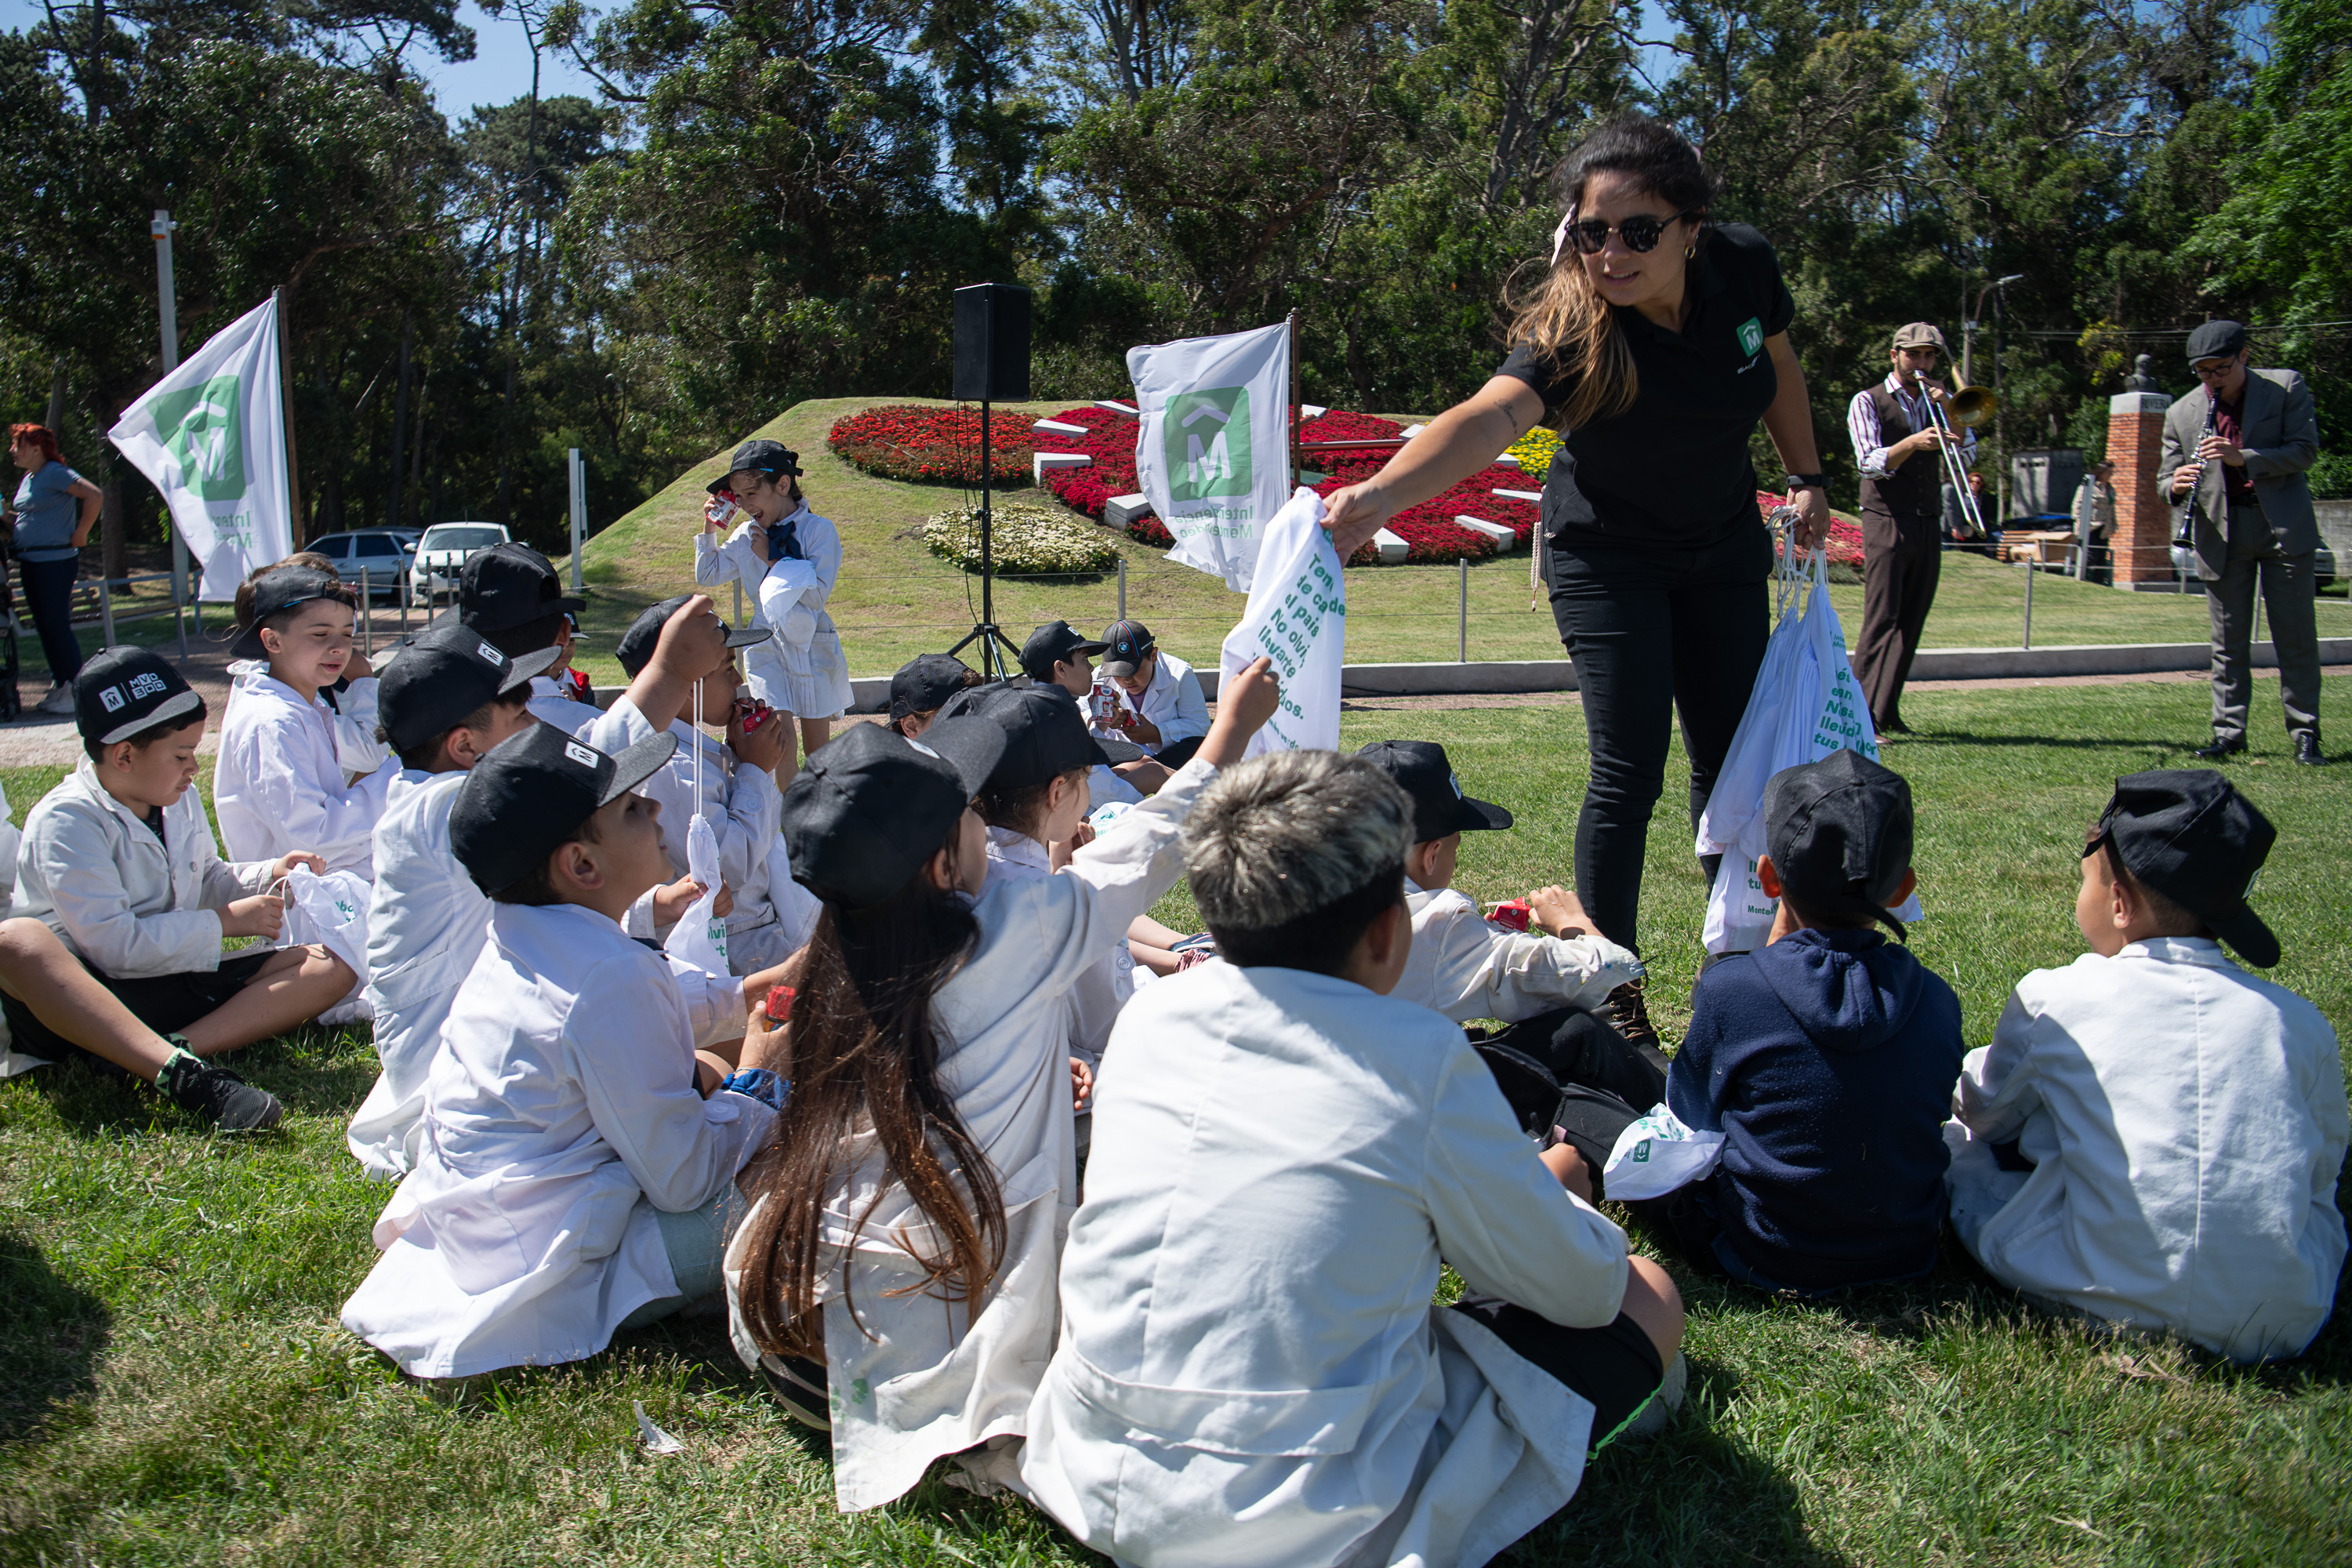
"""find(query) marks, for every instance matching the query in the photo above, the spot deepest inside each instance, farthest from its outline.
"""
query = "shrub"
(1021, 539)
(932, 445)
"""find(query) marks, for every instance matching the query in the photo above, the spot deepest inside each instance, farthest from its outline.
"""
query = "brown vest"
(1916, 489)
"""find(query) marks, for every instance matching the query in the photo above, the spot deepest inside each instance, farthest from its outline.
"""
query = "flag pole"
(167, 315)
(286, 412)
(1296, 466)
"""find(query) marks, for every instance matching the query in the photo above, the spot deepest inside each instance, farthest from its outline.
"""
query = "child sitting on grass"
(899, 1262)
(1249, 1368)
(921, 686)
(2153, 1136)
(1824, 1058)
(1543, 984)
(572, 1180)
(279, 783)
(514, 598)
(1055, 655)
(119, 862)
(732, 785)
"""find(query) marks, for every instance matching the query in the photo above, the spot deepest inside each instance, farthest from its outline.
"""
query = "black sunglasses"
(1641, 232)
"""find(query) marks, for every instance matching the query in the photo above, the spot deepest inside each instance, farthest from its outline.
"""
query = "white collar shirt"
(131, 905)
(1173, 701)
(279, 783)
(549, 704)
(560, 1113)
(2187, 1123)
(1465, 966)
(915, 1379)
(1250, 1369)
(1870, 447)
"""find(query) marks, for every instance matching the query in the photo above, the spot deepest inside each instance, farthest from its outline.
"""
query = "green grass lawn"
(175, 1387)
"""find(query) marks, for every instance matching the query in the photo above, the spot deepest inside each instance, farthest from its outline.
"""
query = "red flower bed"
(937, 446)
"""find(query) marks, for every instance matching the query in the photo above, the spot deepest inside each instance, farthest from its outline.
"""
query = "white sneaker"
(59, 701)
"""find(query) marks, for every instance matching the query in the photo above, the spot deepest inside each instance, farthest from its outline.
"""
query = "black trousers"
(1902, 562)
(1177, 754)
(1654, 633)
(1568, 1070)
(49, 595)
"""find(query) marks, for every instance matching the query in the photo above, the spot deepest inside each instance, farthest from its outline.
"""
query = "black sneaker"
(2221, 746)
(217, 1094)
(1628, 1013)
(2306, 749)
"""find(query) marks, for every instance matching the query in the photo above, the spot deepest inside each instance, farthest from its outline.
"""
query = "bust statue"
(2143, 376)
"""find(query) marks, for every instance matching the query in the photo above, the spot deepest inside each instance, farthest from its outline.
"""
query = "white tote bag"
(331, 912)
(700, 938)
(1657, 1154)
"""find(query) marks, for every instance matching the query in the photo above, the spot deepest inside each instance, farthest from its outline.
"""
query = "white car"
(443, 551)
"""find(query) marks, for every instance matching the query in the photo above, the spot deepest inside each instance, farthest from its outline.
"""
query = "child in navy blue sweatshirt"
(1826, 1058)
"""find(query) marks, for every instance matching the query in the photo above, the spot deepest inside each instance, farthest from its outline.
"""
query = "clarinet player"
(2235, 450)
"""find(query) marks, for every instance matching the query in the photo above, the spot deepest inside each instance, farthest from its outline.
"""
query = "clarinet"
(2184, 527)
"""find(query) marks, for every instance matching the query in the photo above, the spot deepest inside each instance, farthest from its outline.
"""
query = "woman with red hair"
(49, 538)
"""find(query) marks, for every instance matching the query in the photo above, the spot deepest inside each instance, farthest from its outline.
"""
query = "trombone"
(1971, 407)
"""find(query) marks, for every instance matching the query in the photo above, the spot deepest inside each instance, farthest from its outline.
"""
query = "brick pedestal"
(2143, 536)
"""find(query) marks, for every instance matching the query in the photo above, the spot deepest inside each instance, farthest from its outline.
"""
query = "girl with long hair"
(894, 1276)
(1654, 340)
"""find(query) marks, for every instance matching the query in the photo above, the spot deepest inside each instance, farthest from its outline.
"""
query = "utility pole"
(167, 313)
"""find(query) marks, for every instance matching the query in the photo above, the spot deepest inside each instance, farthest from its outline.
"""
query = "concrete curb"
(1495, 677)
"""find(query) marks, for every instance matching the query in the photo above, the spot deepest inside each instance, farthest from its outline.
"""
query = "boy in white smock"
(732, 783)
(1249, 1369)
(119, 862)
(572, 1180)
(2154, 1135)
(279, 785)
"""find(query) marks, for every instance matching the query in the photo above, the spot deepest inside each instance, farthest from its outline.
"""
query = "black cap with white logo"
(868, 808)
(530, 794)
(509, 585)
(283, 589)
(1045, 734)
(442, 677)
(636, 648)
(1439, 806)
(123, 691)
(1126, 644)
(2191, 837)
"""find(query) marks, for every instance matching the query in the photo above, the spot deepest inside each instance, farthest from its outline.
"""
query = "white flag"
(1297, 616)
(1213, 452)
(212, 436)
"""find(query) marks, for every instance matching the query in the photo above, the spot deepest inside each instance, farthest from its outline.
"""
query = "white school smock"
(351, 713)
(1092, 1004)
(745, 809)
(1250, 1370)
(129, 905)
(801, 668)
(558, 1114)
(933, 1380)
(2187, 1123)
(426, 925)
(279, 783)
(1465, 966)
(1172, 702)
(549, 705)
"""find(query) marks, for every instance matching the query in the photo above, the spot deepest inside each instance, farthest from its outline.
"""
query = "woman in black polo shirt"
(1655, 342)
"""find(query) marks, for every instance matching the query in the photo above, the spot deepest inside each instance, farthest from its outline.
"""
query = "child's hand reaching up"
(673, 899)
(1245, 702)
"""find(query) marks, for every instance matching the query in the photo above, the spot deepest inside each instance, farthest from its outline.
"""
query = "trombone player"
(1907, 450)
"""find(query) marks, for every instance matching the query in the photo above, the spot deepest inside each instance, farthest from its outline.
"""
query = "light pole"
(167, 311)
(1967, 342)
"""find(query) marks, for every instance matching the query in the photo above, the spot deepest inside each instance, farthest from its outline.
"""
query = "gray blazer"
(2280, 439)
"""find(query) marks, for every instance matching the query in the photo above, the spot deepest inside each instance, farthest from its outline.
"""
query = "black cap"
(2191, 837)
(870, 806)
(282, 589)
(2215, 339)
(636, 648)
(442, 675)
(924, 683)
(1439, 806)
(533, 792)
(507, 585)
(1126, 644)
(1838, 826)
(1049, 644)
(123, 691)
(773, 458)
(1045, 734)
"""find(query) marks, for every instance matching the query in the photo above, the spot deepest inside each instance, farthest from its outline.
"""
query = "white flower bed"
(1021, 539)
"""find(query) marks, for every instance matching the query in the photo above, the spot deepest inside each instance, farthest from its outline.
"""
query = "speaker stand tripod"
(993, 644)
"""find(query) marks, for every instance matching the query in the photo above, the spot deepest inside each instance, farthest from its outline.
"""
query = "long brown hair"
(865, 1050)
(1563, 315)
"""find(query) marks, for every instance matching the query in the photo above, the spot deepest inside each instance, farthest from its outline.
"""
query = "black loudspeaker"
(991, 343)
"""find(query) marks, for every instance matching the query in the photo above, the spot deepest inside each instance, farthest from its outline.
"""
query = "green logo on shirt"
(1751, 335)
(203, 427)
(1207, 444)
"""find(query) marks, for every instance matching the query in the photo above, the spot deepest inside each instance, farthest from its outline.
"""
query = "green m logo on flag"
(202, 426)
(1207, 439)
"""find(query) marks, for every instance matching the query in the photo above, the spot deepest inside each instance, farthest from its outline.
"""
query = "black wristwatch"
(1804, 481)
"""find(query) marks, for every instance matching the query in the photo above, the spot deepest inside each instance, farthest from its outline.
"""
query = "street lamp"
(1968, 343)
